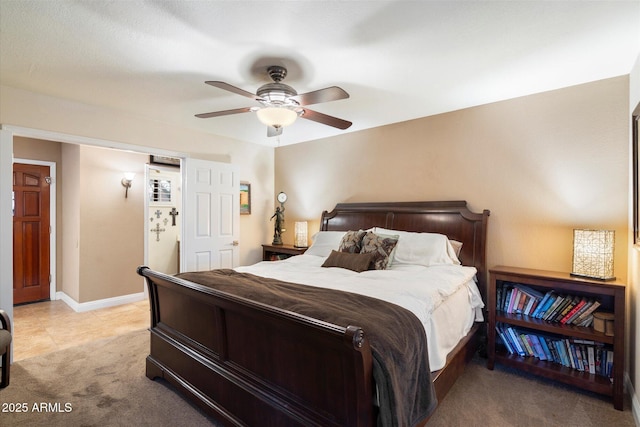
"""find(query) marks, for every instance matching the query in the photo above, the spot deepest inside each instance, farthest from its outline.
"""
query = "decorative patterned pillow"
(355, 262)
(381, 247)
(352, 242)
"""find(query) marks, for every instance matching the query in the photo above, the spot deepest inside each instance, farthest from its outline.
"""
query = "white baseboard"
(102, 303)
(635, 402)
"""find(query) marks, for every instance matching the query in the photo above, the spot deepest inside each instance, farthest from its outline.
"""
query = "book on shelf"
(584, 301)
(579, 354)
(591, 357)
(586, 322)
(608, 371)
(508, 303)
(559, 302)
(588, 312)
(566, 308)
(521, 301)
(505, 340)
(540, 304)
(545, 347)
(514, 341)
(537, 347)
(570, 354)
(554, 304)
(526, 342)
(513, 301)
(549, 298)
(514, 298)
(527, 309)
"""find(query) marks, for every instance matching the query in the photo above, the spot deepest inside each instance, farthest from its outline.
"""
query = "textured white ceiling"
(399, 60)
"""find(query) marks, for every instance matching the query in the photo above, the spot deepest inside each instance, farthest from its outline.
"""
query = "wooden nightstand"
(278, 252)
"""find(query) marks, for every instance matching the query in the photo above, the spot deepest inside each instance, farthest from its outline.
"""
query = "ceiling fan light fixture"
(277, 116)
(280, 104)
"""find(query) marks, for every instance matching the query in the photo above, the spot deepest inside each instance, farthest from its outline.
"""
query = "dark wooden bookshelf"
(611, 294)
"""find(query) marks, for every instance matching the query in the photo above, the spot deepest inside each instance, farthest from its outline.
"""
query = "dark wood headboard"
(451, 218)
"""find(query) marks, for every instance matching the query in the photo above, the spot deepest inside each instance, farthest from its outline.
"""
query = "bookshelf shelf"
(611, 296)
(584, 380)
(544, 326)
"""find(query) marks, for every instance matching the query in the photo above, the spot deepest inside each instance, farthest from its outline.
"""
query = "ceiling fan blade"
(223, 113)
(274, 131)
(231, 88)
(332, 93)
(325, 119)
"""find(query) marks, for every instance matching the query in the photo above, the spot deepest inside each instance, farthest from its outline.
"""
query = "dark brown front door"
(30, 233)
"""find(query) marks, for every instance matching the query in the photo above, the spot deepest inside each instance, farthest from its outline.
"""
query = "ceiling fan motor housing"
(276, 92)
(277, 73)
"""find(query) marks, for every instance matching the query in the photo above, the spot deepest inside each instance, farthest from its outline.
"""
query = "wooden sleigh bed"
(251, 364)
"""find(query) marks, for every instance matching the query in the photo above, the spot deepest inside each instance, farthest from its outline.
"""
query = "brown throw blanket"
(398, 342)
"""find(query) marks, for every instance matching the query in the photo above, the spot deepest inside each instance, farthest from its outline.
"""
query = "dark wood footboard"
(252, 364)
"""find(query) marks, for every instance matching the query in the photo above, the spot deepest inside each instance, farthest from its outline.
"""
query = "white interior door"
(212, 223)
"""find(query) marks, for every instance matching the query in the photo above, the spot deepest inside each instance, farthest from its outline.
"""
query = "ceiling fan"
(280, 104)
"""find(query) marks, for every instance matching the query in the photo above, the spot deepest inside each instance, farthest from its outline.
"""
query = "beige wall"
(543, 164)
(70, 255)
(109, 221)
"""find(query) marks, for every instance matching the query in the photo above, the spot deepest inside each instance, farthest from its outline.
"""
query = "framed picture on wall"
(245, 198)
(635, 124)
(160, 191)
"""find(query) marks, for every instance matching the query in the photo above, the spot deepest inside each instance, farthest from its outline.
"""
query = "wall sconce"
(126, 182)
(593, 254)
(301, 236)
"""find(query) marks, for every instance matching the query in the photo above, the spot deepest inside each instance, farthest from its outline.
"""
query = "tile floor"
(49, 326)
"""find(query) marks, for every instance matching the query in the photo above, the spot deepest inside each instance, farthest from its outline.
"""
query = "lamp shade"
(301, 236)
(593, 254)
(277, 116)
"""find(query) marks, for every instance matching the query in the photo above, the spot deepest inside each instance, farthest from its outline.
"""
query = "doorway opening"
(163, 207)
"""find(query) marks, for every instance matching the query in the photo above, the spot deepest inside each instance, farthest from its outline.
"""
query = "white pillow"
(457, 247)
(323, 242)
(425, 249)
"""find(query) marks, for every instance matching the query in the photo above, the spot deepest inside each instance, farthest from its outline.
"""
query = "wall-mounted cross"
(173, 214)
(158, 213)
(157, 230)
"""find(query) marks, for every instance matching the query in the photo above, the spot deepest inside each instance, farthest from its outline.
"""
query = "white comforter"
(418, 289)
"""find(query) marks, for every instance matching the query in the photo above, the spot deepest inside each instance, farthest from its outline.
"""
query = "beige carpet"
(104, 384)
(506, 397)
